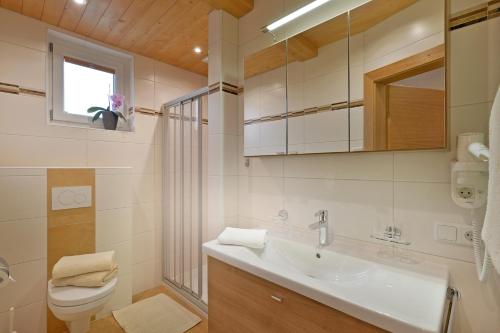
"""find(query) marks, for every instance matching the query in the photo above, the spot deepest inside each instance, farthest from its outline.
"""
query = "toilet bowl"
(75, 305)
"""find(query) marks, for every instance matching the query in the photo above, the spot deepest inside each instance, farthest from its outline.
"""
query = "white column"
(222, 122)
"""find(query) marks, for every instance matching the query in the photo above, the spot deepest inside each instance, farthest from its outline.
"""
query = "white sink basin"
(328, 266)
(395, 299)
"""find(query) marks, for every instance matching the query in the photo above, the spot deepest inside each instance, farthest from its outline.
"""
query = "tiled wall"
(113, 229)
(27, 140)
(364, 190)
(24, 238)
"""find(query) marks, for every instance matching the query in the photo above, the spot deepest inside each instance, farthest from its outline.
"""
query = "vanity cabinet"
(244, 303)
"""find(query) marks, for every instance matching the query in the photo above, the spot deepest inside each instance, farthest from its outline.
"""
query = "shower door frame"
(190, 294)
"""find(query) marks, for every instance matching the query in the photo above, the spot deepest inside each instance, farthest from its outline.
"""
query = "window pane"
(85, 87)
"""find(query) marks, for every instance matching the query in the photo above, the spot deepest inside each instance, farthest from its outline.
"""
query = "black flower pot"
(110, 120)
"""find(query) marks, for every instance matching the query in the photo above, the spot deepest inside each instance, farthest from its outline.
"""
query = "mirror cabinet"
(371, 79)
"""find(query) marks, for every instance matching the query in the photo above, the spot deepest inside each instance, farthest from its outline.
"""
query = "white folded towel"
(253, 238)
(491, 227)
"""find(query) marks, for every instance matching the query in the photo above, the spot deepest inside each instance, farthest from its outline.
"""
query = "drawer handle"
(277, 299)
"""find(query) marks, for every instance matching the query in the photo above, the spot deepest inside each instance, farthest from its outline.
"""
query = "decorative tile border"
(17, 90)
(225, 87)
(304, 112)
(476, 14)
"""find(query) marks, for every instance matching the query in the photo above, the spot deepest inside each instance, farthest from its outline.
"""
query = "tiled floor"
(109, 325)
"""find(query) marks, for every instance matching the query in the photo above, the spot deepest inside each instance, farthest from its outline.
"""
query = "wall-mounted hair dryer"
(469, 188)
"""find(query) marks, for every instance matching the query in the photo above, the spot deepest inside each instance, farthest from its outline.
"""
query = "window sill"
(98, 125)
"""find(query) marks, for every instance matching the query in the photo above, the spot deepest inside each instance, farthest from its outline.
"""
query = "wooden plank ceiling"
(165, 30)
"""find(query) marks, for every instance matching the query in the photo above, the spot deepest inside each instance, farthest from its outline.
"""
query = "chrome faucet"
(322, 226)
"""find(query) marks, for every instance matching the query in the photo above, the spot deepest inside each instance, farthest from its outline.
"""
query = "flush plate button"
(71, 197)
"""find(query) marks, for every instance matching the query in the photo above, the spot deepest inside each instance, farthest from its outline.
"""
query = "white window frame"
(62, 45)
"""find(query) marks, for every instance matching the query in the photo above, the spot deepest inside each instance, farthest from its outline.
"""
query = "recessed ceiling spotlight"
(80, 2)
(197, 50)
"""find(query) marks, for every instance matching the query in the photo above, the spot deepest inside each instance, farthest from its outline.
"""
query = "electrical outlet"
(466, 192)
(464, 235)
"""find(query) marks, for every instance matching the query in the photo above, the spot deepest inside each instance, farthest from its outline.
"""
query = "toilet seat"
(77, 296)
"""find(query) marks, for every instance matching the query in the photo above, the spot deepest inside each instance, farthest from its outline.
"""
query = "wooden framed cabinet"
(244, 303)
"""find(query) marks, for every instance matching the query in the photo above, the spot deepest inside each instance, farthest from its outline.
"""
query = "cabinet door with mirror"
(371, 79)
(397, 75)
(265, 101)
(318, 114)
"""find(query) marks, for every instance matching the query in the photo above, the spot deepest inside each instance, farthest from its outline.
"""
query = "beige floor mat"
(157, 314)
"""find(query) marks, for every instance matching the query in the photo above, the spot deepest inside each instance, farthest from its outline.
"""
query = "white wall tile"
(142, 188)
(14, 57)
(422, 166)
(139, 156)
(373, 166)
(113, 225)
(143, 217)
(28, 32)
(468, 73)
(31, 318)
(418, 206)
(112, 191)
(29, 287)
(143, 247)
(144, 68)
(20, 150)
(145, 93)
(143, 276)
(26, 115)
(22, 240)
(22, 197)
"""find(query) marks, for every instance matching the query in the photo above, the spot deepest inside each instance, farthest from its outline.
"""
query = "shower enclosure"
(184, 194)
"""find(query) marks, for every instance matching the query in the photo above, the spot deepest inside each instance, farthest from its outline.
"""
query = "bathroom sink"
(397, 298)
(328, 266)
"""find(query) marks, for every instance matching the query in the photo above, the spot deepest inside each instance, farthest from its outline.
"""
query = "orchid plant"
(115, 103)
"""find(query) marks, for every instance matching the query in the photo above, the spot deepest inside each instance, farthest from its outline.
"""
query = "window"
(84, 74)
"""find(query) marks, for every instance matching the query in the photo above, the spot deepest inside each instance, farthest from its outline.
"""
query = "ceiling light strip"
(292, 16)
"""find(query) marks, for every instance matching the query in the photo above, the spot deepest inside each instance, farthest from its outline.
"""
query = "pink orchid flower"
(117, 101)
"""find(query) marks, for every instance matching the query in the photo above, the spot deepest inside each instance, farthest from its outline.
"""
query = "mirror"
(265, 101)
(371, 79)
(397, 75)
(318, 114)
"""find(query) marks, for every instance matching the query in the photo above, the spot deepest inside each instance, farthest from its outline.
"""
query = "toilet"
(75, 305)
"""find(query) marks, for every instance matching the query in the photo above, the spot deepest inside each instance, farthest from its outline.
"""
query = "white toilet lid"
(74, 296)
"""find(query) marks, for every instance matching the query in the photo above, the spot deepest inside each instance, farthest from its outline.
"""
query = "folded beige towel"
(95, 279)
(83, 264)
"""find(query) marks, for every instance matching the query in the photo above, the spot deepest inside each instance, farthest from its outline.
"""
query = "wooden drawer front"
(242, 302)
